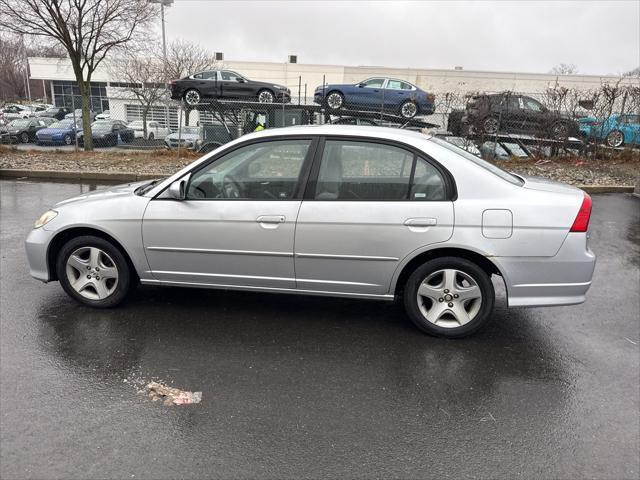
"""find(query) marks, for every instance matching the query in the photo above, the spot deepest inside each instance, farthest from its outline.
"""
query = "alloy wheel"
(265, 96)
(409, 110)
(25, 138)
(449, 298)
(491, 125)
(615, 139)
(92, 273)
(192, 97)
(334, 101)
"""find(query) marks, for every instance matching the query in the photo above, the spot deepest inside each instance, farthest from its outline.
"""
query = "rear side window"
(351, 170)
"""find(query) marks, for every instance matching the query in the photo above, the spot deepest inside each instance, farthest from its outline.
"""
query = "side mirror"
(240, 80)
(360, 85)
(177, 190)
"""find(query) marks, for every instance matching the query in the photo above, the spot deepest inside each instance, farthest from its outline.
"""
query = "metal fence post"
(299, 87)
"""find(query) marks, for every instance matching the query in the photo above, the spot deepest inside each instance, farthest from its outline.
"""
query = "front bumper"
(37, 245)
(546, 281)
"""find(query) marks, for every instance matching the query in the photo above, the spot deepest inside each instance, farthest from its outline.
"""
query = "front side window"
(351, 170)
(373, 83)
(531, 104)
(260, 171)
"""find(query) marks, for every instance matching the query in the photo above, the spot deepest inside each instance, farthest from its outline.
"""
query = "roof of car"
(346, 130)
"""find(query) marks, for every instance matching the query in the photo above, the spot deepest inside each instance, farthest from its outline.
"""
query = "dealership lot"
(305, 387)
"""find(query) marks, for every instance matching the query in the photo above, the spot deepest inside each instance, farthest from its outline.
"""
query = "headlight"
(45, 218)
(279, 87)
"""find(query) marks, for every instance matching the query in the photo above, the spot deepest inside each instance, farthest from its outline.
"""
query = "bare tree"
(632, 73)
(143, 76)
(185, 58)
(87, 29)
(564, 69)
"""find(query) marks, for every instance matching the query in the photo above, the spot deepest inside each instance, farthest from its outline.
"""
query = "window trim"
(302, 177)
(311, 185)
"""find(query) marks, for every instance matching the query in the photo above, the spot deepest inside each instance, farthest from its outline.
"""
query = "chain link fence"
(494, 125)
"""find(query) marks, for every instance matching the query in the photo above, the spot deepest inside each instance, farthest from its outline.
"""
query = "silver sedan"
(348, 211)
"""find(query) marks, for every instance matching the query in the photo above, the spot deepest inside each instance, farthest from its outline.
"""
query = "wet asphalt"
(304, 387)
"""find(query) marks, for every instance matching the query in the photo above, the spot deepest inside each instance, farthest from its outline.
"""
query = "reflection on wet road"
(307, 387)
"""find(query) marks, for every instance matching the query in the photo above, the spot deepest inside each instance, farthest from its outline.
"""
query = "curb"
(134, 177)
(75, 175)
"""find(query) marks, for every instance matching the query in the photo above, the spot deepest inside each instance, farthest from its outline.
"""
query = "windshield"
(64, 124)
(136, 124)
(101, 125)
(516, 150)
(190, 130)
(52, 110)
(19, 123)
(480, 162)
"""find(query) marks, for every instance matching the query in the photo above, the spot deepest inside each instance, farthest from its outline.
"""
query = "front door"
(234, 86)
(368, 94)
(371, 205)
(237, 224)
(535, 117)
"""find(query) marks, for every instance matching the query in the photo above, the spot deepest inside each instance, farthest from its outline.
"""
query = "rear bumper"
(546, 281)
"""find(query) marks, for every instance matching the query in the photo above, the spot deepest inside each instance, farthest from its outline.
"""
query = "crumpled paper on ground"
(172, 396)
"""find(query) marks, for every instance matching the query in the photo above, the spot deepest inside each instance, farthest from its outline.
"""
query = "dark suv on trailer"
(226, 84)
(514, 113)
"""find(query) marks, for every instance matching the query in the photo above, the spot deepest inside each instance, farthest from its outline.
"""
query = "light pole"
(164, 3)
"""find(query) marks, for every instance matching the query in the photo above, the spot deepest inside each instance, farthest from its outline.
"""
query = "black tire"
(484, 306)
(122, 287)
(560, 131)
(334, 100)
(490, 125)
(67, 139)
(615, 139)
(192, 97)
(150, 136)
(266, 96)
(409, 109)
(24, 137)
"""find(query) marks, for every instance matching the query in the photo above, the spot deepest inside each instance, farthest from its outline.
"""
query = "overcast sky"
(528, 36)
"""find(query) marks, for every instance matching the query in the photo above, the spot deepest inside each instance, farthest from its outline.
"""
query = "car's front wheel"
(615, 139)
(24, 138)
(449, 297)
(560, 131)
(491, 125)
(67, 139)
(266, 96)
(150, 136)
(192, 97)
(335, 101)
(409, 109)
(94, 272)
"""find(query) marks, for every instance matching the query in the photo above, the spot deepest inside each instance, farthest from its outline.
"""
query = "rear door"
(367, 206)
(396, 92)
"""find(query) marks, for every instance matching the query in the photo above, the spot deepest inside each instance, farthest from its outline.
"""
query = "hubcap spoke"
(77, 263)
(94, 257)
(101, 289)
(108, 272)
(460, 313)
(427, 290)
(450, 280)
(468, 293)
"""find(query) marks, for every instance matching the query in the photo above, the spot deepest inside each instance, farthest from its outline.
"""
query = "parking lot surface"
(308, 387)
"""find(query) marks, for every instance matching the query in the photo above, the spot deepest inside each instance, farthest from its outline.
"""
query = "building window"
(156, 113)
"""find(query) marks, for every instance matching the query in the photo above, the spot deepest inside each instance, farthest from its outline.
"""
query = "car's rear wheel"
(24, 137)
(150, 136)
(615, 139)
(409, 109)
(94, 272)
(449, 297)
(266, 96)
(335, 101)
(491, 125)
(192, 97)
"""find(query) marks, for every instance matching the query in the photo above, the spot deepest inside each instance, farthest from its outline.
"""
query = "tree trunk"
(85, 91)
(144, 123)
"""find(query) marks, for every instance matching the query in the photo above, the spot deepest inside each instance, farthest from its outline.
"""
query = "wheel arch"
(62, 237)
(410, 263)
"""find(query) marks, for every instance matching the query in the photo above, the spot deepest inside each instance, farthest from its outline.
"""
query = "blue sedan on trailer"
(390, 95)
(616, 131)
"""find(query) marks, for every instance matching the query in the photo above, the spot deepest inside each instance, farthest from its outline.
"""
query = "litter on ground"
(172, 396)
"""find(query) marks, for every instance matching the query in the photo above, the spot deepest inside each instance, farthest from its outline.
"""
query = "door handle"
(420, 222)
(270, 219)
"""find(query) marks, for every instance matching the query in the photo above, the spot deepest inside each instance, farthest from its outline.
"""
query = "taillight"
(581, 223)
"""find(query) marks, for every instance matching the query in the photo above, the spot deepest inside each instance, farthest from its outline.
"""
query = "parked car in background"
(390, 95)
(105, 115)
(60, 132)
(514, 113)
(107, 133)
(226, 84)
(24, 130)
(78, 114)
(154, 130)
(190, 138)
(616, 131)
(354, 121)
(502, 150)
(311, 201)
(54, 112)
(14, 111)
(463, 143)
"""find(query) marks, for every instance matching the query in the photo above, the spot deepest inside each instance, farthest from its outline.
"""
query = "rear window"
(509, 177)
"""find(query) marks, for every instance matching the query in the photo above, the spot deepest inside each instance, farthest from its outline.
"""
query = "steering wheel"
(231, 188)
